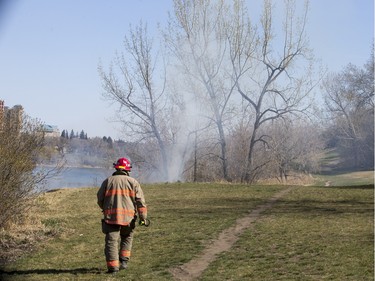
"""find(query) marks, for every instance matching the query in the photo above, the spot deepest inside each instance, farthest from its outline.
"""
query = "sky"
(50, 51)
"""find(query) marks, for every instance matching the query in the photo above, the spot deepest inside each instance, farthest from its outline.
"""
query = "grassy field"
(313, 233)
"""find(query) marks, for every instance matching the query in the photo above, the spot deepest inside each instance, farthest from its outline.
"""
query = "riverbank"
(73, 177)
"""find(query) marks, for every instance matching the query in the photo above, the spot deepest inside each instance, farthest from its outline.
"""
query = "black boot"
(112, 271)
(123, 264)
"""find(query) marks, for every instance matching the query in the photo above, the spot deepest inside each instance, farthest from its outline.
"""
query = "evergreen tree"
(72, 134)
(110, 142)
(82, 135)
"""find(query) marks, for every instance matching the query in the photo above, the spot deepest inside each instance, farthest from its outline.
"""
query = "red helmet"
(123, 164)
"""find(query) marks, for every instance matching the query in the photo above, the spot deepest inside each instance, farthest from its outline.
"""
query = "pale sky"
(50, 51)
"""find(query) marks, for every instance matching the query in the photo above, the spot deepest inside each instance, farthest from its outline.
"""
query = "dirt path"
(194, 268)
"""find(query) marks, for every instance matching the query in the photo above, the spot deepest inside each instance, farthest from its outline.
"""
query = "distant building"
(10, 118)
(50, 131)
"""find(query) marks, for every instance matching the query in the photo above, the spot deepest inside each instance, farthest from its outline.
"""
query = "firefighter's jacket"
(121, 198)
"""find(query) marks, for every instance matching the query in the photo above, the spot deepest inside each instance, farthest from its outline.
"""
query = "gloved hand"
(144, 222)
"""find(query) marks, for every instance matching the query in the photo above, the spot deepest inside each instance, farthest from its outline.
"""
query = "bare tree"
(195, 36)
(218, 52)
(238, 139)
(349, 98)
(294, 148)
(131, 83)
(266, 74)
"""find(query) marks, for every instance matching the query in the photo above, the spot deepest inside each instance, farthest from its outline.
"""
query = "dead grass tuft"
(25, 232)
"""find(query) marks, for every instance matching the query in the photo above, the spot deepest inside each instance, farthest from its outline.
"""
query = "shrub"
(20, 150)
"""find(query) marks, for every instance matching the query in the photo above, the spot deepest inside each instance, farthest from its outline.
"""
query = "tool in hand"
(145, 222)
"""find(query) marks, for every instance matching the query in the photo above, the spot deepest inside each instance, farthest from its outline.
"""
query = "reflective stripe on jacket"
(121, 198)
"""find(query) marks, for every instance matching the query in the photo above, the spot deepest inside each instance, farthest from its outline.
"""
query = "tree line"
(228, 97)
(82, 135)
(80, 152)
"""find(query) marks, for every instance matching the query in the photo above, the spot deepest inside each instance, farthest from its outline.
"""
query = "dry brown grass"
(28, 230)
(293, 179)
(20, 237)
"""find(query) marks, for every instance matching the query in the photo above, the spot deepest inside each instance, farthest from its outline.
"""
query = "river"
(78, 177)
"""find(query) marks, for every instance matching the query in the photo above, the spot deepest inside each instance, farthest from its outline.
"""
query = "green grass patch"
(346, 179)
(314, 233)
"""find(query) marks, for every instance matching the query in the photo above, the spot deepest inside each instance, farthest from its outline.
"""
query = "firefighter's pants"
(114, 233)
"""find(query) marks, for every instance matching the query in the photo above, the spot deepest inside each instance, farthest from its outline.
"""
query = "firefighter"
(121, 199)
